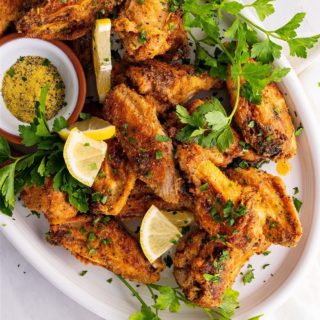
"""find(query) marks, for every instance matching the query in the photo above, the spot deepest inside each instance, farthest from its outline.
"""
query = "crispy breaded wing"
(148, 29)
(170, 84)
(282, 225)
(142, 198)
(63, 20)
(144, 141)
(252, 202)
(11, 10)
(267, 127)
(114, 182)
(198, 256)
(103, 242)
(53, 204)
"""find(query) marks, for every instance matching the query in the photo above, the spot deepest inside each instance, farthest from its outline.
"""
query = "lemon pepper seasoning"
(22, 84)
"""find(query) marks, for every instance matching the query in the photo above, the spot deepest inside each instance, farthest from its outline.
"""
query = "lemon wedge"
(179, 218)
(102, 57)
(94, 128)
(83, 156)
(157, 234)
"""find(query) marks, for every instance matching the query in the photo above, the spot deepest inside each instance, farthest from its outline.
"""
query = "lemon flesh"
(157, 234)
(179, 218)
(83, 156)
(94, 128)
(102, 57)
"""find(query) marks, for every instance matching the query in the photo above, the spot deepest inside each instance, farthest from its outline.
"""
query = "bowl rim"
(79, 72)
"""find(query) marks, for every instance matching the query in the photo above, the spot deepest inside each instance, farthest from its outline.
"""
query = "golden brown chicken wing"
(266, 127)
(169, 84)
(114, 182)
(102, 241)
(53, 204)
(144, 141)
(205, 268)
(142, 198)
(148, 29)
(63, 20)
(11, 10)
(254, 203)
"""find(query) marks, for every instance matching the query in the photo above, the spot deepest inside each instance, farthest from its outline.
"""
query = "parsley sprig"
(168, 298)
(236, 47)
(34, 168)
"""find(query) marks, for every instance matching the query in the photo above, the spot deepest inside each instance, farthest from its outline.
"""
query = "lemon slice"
(94, 128)
(179, 218)
(83, 156)
(157, 234)
(102, 57)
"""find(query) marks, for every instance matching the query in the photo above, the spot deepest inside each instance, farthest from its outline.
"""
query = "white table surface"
(26, 295)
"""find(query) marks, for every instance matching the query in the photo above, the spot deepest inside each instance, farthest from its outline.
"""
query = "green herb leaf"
(264, 8)
(266, 51)
(59, 124)
(298, 46)
(5, 153)
(297, 203)
(288, 31)
(167, 299)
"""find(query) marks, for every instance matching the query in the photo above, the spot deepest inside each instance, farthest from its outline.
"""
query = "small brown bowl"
(15, 45)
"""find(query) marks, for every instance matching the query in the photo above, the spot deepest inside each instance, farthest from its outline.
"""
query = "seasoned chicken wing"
(169, 84)
(267, 127)
(11, 10)
(53, 204)
(144, 141)
(205, 268)
(63, 20)
(104, 242)
(148, 29)
(114, 182)
(142, 198)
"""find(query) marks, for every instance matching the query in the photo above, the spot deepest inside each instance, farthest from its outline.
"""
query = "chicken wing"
(53, 204)
(148, 29)
(142, 198)
(11, 10)
(205, 268)
(63, 20)
(114, 182)
(144, 141)
(169, 84)
(104, 242)
(266, 127)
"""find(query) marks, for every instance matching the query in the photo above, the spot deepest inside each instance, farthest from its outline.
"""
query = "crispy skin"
(137, 128)
(11, 10)
(170, 84)
(197, 255)
(122, 255)
(53, 204)
(115, 180)
(282, 224)
(272, 136)
(142, 198)
(153, 19)
(67, 20)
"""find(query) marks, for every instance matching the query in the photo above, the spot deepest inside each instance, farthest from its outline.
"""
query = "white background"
(25, 294)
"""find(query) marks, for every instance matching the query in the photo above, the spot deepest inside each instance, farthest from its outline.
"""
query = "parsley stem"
(224, 49)
(236, 104)
(268, 33)
(134, 292)
(154, 298)
(208, 313)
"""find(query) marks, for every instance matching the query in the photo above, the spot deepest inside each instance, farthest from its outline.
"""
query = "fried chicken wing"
(149, 29)
(11, 10)
(115, 181)
(170, 84)
(63, 20)
(197, 258)
(103, 242)
(53, 204)
(142, 198)
(144, 141)
(267, 127)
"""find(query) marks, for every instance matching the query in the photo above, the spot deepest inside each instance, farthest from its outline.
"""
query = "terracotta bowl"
(62, 57)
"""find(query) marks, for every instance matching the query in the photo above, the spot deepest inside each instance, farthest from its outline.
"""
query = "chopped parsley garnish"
(215, 278)
(46, 62)
(106, 242)
(83, 272)
(248, 276)
(266, 253)
(158, 154)
(297, 203)
(92, 236)
(295, 190)
(265, 265)
(204, 187)
(162, 138)
(109, 280)
(142, 37)
(11, 72)
(85, 116)
(298, 131)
